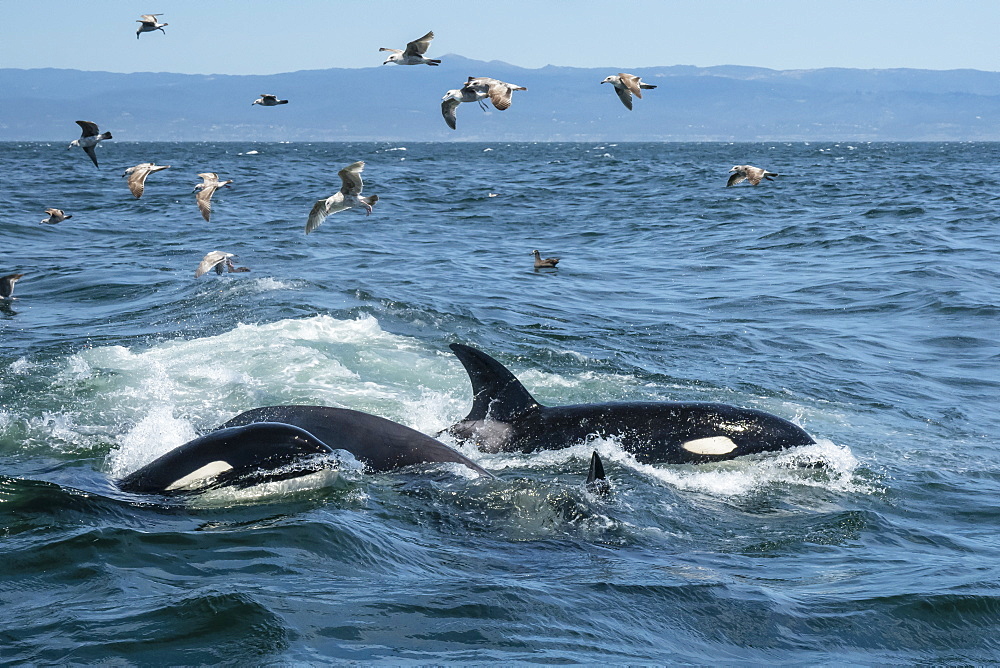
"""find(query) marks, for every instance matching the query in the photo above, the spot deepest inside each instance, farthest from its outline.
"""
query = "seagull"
(754, 175)
(55, 216)
(137, 176)
(477, 89)
(266, 100)
(209, 184)
(414, 53)
(7, 285)
(149, 24)
(544, 263)
(349, 196)
(626, 85)
(217, 260)
(88, 140)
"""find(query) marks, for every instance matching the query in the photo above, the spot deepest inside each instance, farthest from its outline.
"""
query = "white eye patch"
(713, 445)
(207, 471)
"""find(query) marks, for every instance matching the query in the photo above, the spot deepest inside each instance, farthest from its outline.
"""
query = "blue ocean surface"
(857, 295)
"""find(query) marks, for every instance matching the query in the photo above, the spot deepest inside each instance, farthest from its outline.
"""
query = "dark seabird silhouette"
(266, 100)
(148, 23)
(627, 85)
(544, 263)
(137, 176)
(349, 196)
(55, 216)
(414, 53)
(754, 175)
(209, 184)
(7, 285)
(88, 140)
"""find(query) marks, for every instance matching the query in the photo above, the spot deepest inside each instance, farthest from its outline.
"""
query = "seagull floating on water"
(149, 24)
(55, 216)
(88, 140)
(266, 100)
(544, 263)
(217, 260)
(209, 184)
(754, 175)
(349, 196)
(137, 176)
(477, 89)
(7, 285)
(414, 53)
(627, 85)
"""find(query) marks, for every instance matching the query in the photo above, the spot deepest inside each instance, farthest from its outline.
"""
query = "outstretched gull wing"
(323, 208)
(625, 95)
(449, 107)
(89, 128)
(210, 261)
(204, 199)
(418, 47)
(391, 50)
(92, 153)
(137, 180)
(351, 178)
(736, 178)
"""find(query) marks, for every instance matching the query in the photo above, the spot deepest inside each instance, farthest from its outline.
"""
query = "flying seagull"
(349, 196)
(414, 53)
(266, 100)
(148, 23)
(209, 184)
(55, 216)
(7, 285)
(754, 175)
(544, 263)
(137, 176)
(217, 260)
(88, 140)
(477, 89)
(627, 85)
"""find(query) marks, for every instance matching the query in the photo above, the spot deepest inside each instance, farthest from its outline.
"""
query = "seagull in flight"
(209, 184)
(754, 175)
(414, 53)
(217, 260)
(266, 100)
(55, 216)
(89, 138)
(349, 196)
(477, 89)
(148, 23)
(627, 85)
(137, 176)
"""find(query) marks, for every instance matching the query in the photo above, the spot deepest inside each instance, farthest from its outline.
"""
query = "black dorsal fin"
(495, 390)
(596, 480)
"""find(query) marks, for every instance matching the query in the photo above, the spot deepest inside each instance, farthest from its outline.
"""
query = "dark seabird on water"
(88, 140)
(414, 53)
(55, 216)
(137, 176)
(627, 85)
(218, 260)
(148, 23)
(477, 89)
(754, 175)
(7, 285)
(209, 184)
(266, 100)
(544, 263)
(349, 196)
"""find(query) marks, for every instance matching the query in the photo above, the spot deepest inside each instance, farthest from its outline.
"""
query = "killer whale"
(238, 456)
(281, 442)
(506, 418)
(380, 444)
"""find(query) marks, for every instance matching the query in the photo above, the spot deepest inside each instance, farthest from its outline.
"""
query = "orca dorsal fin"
(496, 392)
(597, 482)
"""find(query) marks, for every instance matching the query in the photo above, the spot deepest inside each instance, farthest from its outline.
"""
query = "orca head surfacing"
(237, 456)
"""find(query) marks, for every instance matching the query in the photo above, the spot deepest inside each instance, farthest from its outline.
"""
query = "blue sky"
(228, 37)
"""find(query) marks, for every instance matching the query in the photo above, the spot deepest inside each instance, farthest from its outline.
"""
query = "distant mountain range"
(399, 103)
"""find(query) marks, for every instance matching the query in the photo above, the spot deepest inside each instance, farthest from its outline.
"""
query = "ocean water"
(858, 295)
